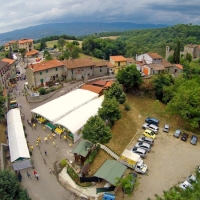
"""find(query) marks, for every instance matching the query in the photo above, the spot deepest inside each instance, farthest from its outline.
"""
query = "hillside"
(75, 29)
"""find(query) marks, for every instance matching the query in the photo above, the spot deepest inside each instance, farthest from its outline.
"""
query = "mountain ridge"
(72, 28)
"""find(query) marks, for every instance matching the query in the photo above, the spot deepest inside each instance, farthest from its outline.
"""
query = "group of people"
(36, 174)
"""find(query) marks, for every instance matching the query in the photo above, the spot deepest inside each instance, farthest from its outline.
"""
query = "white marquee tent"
(19, 152)
(75, 120)
(60, 107)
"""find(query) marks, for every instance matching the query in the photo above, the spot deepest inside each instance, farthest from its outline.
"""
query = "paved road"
(48, 188)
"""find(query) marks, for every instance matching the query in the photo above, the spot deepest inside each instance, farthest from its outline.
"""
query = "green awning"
(50, 126)
(110, 170)
(82, 148)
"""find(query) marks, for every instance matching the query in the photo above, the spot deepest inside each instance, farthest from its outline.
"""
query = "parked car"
(177, 133)
(151, 120)
(198, 169)
(139, 151)
(147, 140)
(143, 145)
(194, 139)
(132, 183)
(149, 134)
(191, 179)
(151, 127)
(184, 137)
(166, 128)
(185, 185)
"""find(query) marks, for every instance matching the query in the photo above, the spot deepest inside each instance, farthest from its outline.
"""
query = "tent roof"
(131, 155)
(110, 170)
(77, 118)
(81, 148)
(60, 107)
(16, 138)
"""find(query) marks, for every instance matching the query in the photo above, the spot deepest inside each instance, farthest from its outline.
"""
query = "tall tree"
(130, 77)
(61, 43)
(116, 91)
(2, 106)
(176, 55)
(10, 187)
(43, 44)
(96, 131)
(23, 52)
(110, 110)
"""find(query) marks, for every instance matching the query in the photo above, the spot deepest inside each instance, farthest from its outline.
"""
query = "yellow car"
(149, 134)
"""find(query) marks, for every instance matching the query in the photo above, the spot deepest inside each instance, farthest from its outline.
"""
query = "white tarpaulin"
(17, 141)
(60, 107)
(77, 118)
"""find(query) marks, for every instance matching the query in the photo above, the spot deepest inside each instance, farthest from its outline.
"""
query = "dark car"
(184, 137)
(177, 133)
(133, 181)
(194, 139)
(151, 120)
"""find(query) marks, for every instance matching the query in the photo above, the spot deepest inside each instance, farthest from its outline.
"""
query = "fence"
(74, 87)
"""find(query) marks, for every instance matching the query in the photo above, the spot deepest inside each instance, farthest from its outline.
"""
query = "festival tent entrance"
(19, 153)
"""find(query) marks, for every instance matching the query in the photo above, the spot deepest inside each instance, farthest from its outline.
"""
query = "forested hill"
(73, 28)
(141, 41)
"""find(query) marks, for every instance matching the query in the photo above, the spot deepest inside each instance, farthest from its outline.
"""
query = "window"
(100, 70)
(56, 75)
(47, 71)
(40, 73)
(56, 69)
(118, 64)
(90, 67)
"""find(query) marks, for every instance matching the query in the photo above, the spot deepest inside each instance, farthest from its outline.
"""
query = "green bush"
(127, 107)
(92, 155)
(63, 163)
(42, 91)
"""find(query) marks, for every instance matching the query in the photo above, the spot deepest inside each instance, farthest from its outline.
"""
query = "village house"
(116, 63)
(12, 44)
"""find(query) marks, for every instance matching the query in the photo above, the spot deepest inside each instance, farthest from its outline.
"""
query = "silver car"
(144, 146)
(139, 151)
(166, 128)
(151, 127)
(147, 140)
(177, 133)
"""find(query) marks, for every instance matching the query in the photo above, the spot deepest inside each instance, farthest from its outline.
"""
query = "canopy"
(60, 107)
(82, 148)
(110, 170)
(75, 120)
(17, 141)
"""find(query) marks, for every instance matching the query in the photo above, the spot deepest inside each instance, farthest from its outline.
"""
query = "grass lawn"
(2, 133)
(82, 55)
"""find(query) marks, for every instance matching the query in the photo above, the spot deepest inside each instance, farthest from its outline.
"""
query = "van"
(151, 120)
(13, 104)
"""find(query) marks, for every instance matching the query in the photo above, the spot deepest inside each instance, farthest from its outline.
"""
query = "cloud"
(16, 14)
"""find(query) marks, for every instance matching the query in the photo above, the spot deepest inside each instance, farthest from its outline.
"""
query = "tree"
(61, 43)
(159, 82)
(47, 55)
(126, 183)
(23, 53)
(43, 45)
(130, 77)
(170, 59)
(116, 91)
(96, 131)
(2, 102)
(10, 187)
(176, 55)
(188, 57)
(110, 110)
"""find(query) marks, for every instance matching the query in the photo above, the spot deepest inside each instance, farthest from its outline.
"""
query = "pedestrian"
(65, 137)
(37, 176)
(46, 138)
(37, 144)
(39, 139)
(44, 128)
(45, 153)
(34, 126)
(34, 172)
(54, 144)
(50, 171)
(28, 174)
(50, 137)
(32, 147)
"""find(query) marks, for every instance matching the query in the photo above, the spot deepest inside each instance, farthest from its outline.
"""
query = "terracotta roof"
(92, 88)
(108, 84)
(100, 63)
(45, 65)
(158, 67)
(130, 60)
(110, 65)
(10, 61)
(7, 44)
(100, 83)
(79, 62)
(12, 41)
(179, 66)
(118, 58)
(3, 64)
(154, 55)
(166, 63)
(33, 52)
(25, 40)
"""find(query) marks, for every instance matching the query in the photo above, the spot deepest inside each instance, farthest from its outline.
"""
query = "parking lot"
(169, 162)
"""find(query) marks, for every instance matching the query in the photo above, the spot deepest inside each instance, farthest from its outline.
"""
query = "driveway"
(169, 162)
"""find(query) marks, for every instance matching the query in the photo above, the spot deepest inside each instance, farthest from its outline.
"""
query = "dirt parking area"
(169, 162)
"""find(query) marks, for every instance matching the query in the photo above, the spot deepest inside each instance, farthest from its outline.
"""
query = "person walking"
(54, 143)
(28, 174)
(44, 128)
(37, 176)
(32, 147)
(45, 153)
(38, 139)
(50, 171)
(34, 172)
(34, 126)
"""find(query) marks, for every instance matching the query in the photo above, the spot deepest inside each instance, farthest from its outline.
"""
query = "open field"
(110, 37)
(82, 55)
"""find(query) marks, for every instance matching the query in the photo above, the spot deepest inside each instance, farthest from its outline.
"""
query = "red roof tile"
(101, 83)
(10, 61)
(118, 58)
(92, 88)
(33, 52)
(154, 55)
(25, 40)
(179, 66)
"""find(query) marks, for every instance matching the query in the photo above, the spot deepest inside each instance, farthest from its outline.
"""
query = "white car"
(144, 146)
(198, 169)
(185, 185)
(151, 127)
(191, 179)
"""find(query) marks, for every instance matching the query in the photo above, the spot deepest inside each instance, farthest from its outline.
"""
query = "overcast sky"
(17, 14)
